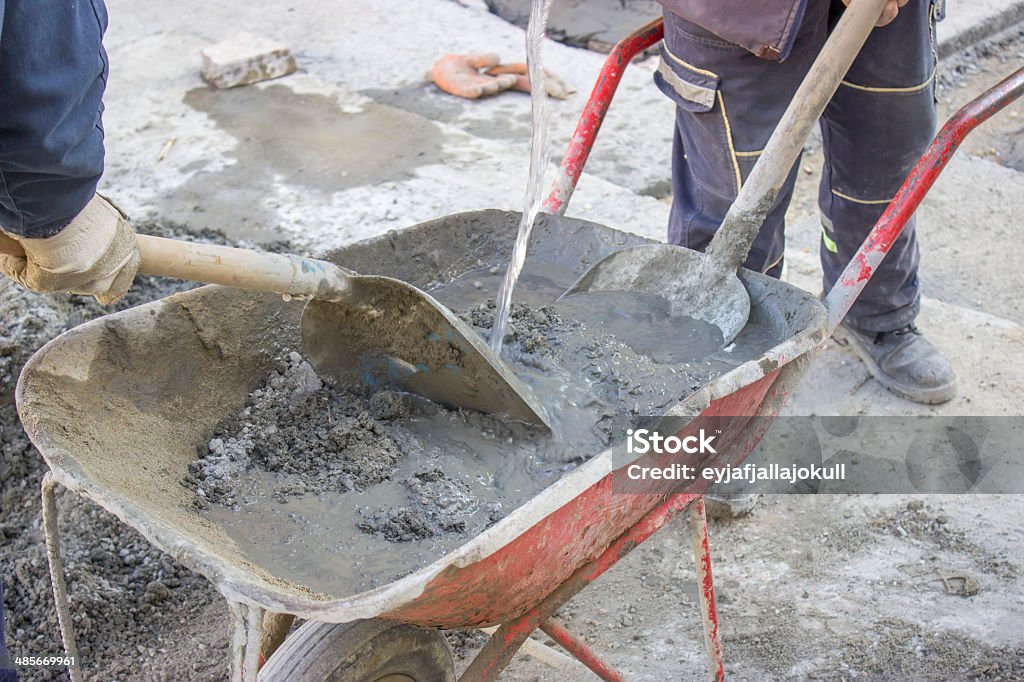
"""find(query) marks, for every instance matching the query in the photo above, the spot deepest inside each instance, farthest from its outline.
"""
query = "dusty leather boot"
(730, 505)
(903, 361)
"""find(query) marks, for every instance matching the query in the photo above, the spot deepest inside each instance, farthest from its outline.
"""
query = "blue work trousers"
(877, 125)
(53, 71)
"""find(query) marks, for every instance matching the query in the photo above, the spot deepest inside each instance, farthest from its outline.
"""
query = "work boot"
(729, 505)
(903, 361)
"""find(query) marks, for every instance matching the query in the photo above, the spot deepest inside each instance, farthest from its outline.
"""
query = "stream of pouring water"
(540, 154)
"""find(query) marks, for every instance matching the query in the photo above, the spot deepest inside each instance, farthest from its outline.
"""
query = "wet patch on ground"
(312, 140)
(427, 100)
(296, 139)
(593, 24)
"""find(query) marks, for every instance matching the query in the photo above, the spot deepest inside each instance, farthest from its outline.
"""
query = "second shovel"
(705, 285)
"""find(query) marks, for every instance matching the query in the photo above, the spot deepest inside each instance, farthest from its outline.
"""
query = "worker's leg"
(877, 126)
(53, 72)
(728, 103)
(874, 130)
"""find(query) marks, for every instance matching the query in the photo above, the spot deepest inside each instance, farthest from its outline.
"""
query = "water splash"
(540, 155)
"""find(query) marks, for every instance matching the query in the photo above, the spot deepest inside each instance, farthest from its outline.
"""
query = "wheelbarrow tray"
(118, 406)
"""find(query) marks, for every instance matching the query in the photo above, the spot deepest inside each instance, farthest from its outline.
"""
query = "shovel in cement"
(357, 329)
(704, 285)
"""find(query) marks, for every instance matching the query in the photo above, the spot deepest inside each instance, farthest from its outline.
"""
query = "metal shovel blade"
(705, 286)
(694, 283)
(359, 330)
(387, 333)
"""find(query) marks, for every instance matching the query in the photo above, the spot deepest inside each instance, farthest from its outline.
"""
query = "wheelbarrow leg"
(580, 650)
(246, 638)
(505, 642)
(60, 590)
(708, 609)
(499, 650)
(256, 633)
(567, 665)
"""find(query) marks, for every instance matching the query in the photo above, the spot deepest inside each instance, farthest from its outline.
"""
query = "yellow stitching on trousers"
(691, 67)
(725, 117)
(777, 261)
(754, 153)
(860, 201)
(829, 243)
(728, 138)
(912, 88)
(685, 89)
(935, 51)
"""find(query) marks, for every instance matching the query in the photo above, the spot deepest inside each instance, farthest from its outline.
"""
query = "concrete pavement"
(357, 143)
(370, 58)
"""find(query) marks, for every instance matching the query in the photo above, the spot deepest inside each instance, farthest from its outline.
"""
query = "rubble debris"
(244, 59)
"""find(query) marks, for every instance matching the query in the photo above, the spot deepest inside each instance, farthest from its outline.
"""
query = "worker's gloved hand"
(553, 85)
(459, 75)
(96, 254)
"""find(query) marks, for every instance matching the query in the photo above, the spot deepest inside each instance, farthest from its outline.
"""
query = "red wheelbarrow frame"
(510, 636)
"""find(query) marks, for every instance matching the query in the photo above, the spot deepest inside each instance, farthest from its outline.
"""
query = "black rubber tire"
(363, 651)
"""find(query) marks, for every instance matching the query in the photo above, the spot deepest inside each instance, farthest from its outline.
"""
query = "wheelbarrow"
(119, 424)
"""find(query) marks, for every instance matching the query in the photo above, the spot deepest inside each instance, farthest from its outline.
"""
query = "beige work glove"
(96, 254)
(459, 75)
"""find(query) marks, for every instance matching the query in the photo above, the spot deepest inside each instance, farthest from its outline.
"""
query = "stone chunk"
(245, 58)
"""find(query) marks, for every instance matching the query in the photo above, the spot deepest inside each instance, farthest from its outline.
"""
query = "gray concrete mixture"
(344, 492)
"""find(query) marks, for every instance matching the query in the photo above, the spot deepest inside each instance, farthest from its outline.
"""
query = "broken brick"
(245, 58)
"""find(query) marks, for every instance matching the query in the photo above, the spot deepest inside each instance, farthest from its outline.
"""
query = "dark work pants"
(53, 71)
(877, 125)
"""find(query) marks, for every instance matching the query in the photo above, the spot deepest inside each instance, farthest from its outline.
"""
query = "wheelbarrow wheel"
(364, 651)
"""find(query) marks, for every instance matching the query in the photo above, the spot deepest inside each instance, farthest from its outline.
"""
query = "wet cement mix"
(343, 492)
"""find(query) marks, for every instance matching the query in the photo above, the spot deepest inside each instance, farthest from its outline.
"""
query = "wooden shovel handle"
(733, 240)
(232, 267)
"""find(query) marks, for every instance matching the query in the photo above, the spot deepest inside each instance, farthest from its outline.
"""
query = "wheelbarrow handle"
(582, 141)
(232, 267)
(890, 225)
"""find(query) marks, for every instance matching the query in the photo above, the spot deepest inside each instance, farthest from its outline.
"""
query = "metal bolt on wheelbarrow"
(518, 572)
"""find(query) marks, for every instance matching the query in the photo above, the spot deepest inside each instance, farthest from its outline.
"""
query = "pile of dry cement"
(312, 437)
(299, 435)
